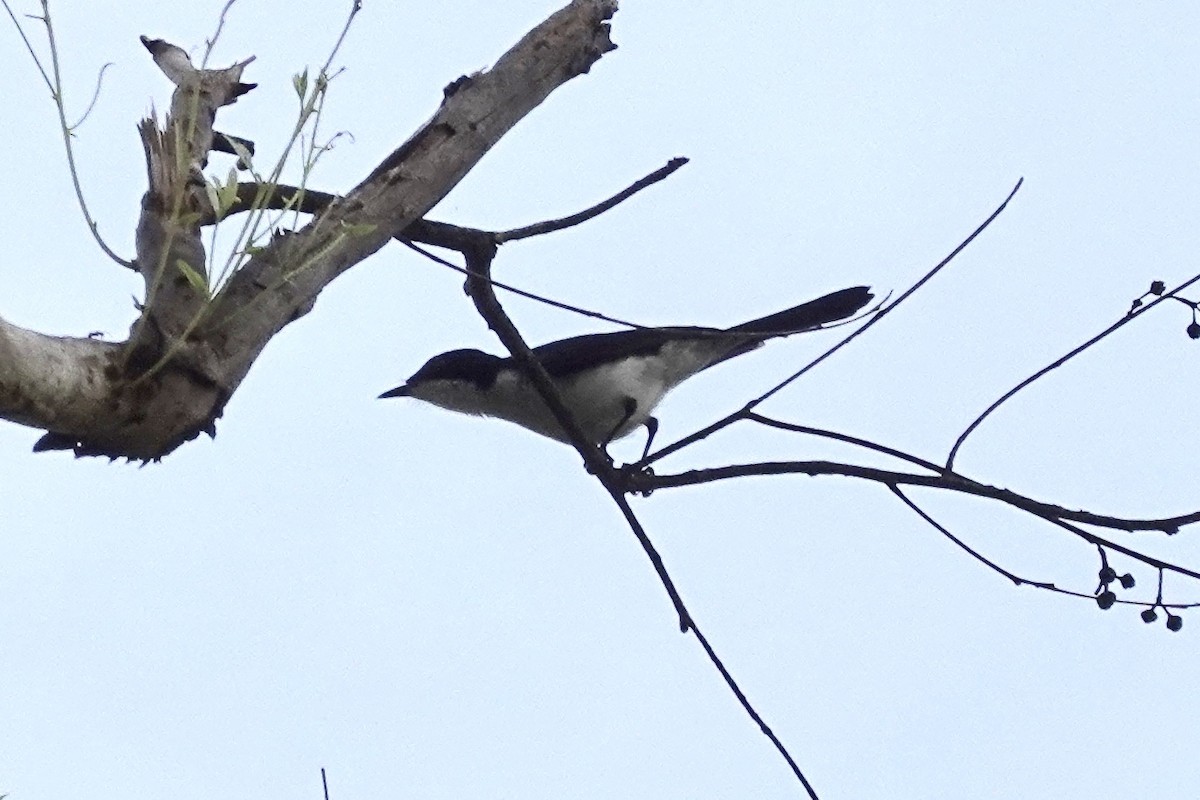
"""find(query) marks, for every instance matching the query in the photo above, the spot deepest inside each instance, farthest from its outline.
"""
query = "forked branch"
(189, 351)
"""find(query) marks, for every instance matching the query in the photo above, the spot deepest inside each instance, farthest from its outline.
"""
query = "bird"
(610, 382)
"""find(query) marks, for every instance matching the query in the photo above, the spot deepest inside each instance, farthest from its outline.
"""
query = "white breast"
(597, 397)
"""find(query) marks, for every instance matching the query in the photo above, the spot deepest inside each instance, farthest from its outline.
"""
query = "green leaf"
(212, 188)
(193, 277)
(228, 192)
(222, 195)
(300, 83)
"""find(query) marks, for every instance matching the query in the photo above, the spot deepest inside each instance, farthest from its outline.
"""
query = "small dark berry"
(1127, 581)
(1107, 574)
(1193, 330)
(1106, 599)
(1174, 622)
(1158, 287)
(1149, 616)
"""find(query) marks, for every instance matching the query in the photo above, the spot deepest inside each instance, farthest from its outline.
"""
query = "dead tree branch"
(188, 352)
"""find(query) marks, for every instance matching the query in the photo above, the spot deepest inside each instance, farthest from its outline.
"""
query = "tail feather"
(814, 313)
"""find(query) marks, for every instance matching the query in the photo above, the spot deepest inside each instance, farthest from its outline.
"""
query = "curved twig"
(1125, 320)
(1017, 579)
(975, 554)
(770, 422)
(583, 312)
(549, 226)
(705, 432)
(95, 97)
(64, 128)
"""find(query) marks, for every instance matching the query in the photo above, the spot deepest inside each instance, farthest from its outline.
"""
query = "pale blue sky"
(433, 606)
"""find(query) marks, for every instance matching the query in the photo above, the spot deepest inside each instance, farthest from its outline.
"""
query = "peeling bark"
(187, 353)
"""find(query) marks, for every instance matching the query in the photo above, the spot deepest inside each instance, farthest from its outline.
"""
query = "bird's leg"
(651, 424)
(630, 406)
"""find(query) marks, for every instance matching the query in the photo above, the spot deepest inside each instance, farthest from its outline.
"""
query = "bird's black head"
(469, 365)
(466, 366)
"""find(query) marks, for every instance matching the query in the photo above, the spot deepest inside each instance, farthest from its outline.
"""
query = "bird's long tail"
(814, 313)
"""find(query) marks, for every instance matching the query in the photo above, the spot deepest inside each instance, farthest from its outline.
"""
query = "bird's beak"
(399, 391)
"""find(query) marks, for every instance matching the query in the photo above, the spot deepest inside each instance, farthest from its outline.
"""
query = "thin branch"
(956, 481)
(310, 105)
(848, 439)
(950, 481)
(644, 482)
(1120, 601)
(539, 228)
(479, 251)
(260, 196)
(583, 312)
(211, 42)
(1100, 541)
(1017, 580)
(95, 96)
(1049, 587)
(479, 254)
(1125, 320)
(37, 62)
(762, 725)
(887, 309)
(64, 128)
(705, 432)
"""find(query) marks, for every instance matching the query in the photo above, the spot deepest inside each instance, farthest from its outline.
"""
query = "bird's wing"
(578, 353)
(569, 356)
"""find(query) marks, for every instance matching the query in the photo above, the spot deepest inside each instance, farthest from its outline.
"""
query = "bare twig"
(770, 422)
(644, 482)
(964, 546)
(37, 62)
(65, 129)
(1136, 555)
(211, 42)
(479, 254)
(87, 112)
(951, 481)
(1104, 334)
(583, 312)
(479, 251)
(749, 709)
(252, 195)
(261, 196)
(1045, 586)
(539, 228)
(707, 431)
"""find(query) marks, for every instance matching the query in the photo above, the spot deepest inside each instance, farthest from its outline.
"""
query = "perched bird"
(610, 382)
